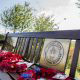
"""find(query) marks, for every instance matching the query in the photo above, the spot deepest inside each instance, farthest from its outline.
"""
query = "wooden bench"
(30, 45)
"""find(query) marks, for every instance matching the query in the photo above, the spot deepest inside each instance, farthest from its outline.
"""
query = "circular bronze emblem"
(54, 53)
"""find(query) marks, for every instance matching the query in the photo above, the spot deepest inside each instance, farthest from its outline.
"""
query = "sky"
(65, 12)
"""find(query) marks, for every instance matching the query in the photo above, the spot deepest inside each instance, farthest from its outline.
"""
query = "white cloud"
(70, 12)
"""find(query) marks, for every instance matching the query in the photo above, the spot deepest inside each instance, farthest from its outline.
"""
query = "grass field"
(77, 74)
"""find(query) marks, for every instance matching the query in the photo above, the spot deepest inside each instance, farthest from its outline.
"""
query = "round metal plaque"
(54, 53)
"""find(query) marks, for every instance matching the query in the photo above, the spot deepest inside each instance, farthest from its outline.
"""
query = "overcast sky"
(59, 8)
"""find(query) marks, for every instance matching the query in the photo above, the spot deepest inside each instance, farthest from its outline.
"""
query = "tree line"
(21, 18)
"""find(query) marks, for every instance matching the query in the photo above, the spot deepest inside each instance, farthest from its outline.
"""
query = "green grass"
(77, 73)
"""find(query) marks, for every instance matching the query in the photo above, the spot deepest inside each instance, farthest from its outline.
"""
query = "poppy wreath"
(9, 62)
(39, 73)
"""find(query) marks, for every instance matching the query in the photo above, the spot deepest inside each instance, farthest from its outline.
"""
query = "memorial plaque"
(54, 53)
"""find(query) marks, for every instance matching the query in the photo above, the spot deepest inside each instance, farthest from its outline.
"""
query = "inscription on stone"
(53, 53)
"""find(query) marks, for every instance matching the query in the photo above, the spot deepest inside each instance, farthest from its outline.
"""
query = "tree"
(43, 23)
(18, 17)
(78, 3)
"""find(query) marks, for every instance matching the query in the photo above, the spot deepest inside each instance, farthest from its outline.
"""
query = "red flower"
(8, 62)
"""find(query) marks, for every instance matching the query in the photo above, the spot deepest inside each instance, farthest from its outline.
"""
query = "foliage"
(2, 37)
(18, 17)
(69, 62)
(43, 23)
(78, 4)
(78, 67)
